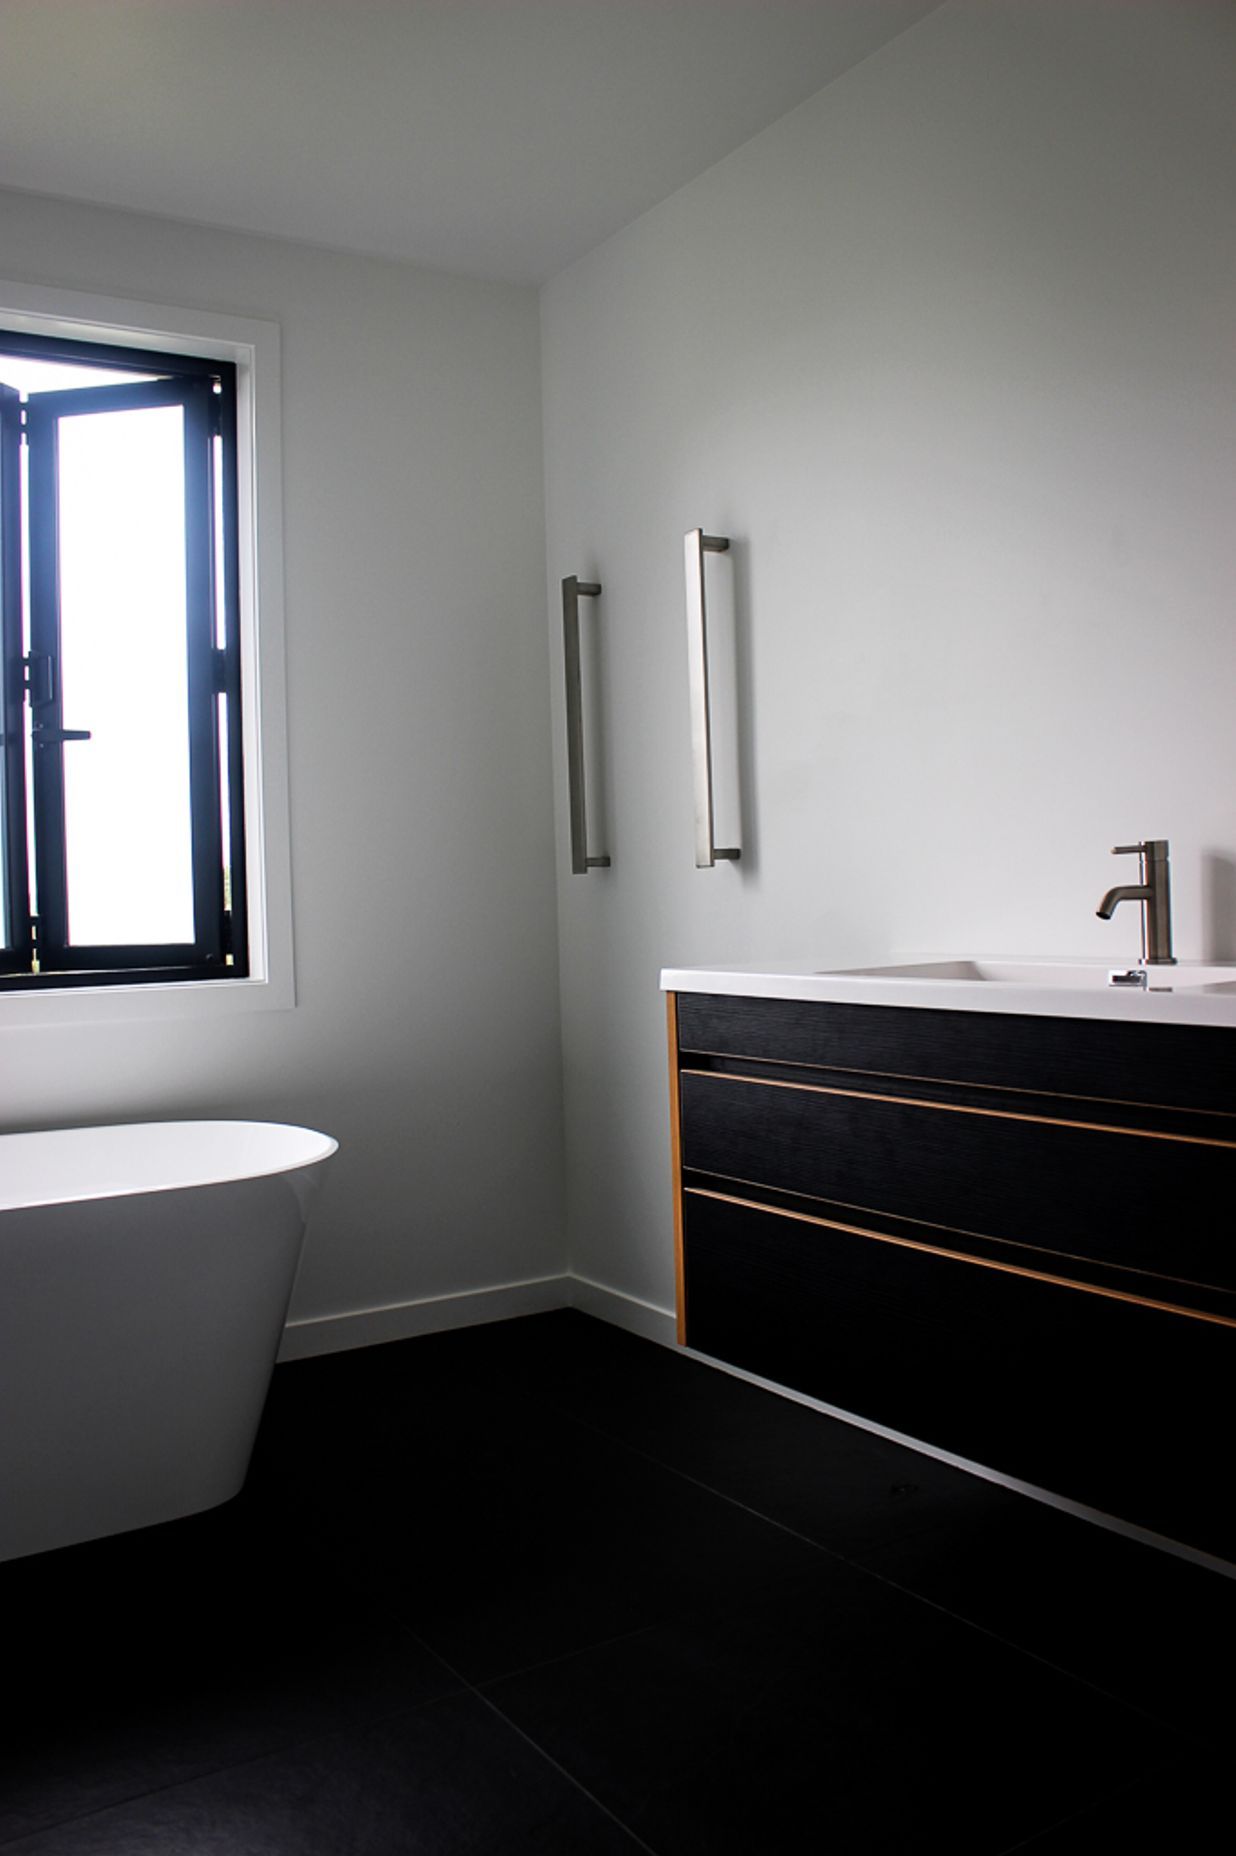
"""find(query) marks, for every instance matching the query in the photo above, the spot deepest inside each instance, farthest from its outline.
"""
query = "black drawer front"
(1174, 1066)
(1129, 1199)
(1121, 1407)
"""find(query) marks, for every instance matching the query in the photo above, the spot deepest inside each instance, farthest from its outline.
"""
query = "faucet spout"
(1128, 892)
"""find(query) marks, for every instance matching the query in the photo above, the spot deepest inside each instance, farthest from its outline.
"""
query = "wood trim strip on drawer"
(951, 1230)
(680, 1277)
(959, 1256)
(961, 1108)
(952, 1082)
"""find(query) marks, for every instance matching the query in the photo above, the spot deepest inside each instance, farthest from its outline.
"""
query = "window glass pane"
(124, 677)
(4, 887)
(216, 485)
(225, 796)
(12, 646)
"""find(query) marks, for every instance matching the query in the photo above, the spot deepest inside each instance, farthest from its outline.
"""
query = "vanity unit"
(988, 1207)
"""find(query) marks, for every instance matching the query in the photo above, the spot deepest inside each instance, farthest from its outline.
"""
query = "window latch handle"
(44, 737)
(40, 669)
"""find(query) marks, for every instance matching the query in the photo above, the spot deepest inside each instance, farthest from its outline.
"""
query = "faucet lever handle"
(1127, 850)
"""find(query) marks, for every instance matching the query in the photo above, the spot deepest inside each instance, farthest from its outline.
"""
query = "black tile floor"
(545, 1587)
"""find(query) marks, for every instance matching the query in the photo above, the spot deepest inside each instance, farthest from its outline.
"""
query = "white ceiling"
(501, 138)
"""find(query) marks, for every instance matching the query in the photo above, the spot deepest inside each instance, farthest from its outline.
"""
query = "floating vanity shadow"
(1007, 1236)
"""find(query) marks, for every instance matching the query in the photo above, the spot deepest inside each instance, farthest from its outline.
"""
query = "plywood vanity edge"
(680, 1288)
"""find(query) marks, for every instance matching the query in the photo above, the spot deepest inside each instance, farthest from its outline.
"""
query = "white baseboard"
(624, 1311)
(368, 1327)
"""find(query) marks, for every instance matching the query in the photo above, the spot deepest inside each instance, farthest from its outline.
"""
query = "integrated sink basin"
(1189, 993)
(1053, 975)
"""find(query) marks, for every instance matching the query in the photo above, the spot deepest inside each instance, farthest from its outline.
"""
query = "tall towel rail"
(696, 545)
(573, 590)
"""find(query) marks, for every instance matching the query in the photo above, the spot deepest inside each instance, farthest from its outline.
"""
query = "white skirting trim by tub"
(624, 1311)
(367, 1327)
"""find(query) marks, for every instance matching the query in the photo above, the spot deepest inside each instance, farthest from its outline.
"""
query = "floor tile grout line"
(365, 1720)
(478, 1693)
(697, 1482)
(479, 1685)
(1032, 1656)
(354, 1579)
(831, 1553)
(461, 1685)
(479, 1690)
(1111, 1795)
(827, 1554)
(567, 1656)
(590, 1426)
(543, 1401)
(336, 1559)
(391, 1593)
(570, 1778)
(661, 1622)
(376, 1719)
(857, 1565)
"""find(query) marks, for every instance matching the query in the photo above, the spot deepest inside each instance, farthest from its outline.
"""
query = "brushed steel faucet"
(1154, 892)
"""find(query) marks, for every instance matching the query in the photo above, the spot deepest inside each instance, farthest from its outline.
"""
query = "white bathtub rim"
(69, 1166)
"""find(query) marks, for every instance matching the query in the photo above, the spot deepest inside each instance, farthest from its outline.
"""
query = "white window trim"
(254, 347)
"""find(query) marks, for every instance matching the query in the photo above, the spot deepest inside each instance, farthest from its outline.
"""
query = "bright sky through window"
(124, 676)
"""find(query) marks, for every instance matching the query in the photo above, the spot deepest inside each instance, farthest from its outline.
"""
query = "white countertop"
(1190, 993)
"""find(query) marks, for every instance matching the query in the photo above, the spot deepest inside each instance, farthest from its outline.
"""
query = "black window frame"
(38, 955)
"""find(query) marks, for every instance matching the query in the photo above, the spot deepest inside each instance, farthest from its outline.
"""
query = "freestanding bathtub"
(145, 1274)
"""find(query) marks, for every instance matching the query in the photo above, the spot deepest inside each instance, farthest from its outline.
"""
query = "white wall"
(425, 1036)
(947, 352)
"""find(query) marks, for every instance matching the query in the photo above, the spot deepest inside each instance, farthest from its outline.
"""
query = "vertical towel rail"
(697, 544)
(573, 590)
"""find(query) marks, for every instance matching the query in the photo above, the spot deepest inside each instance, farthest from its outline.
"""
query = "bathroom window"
(122, 790)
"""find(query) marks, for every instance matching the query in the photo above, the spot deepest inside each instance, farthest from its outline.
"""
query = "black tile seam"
(228, 1765)
(1186, 1738)
(365, 1718)
(858, 1565)
(464, 1684)
(379, 1718)
(827, 1553)
(476, 1690)
(575, 1783)
(1110, 1795)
